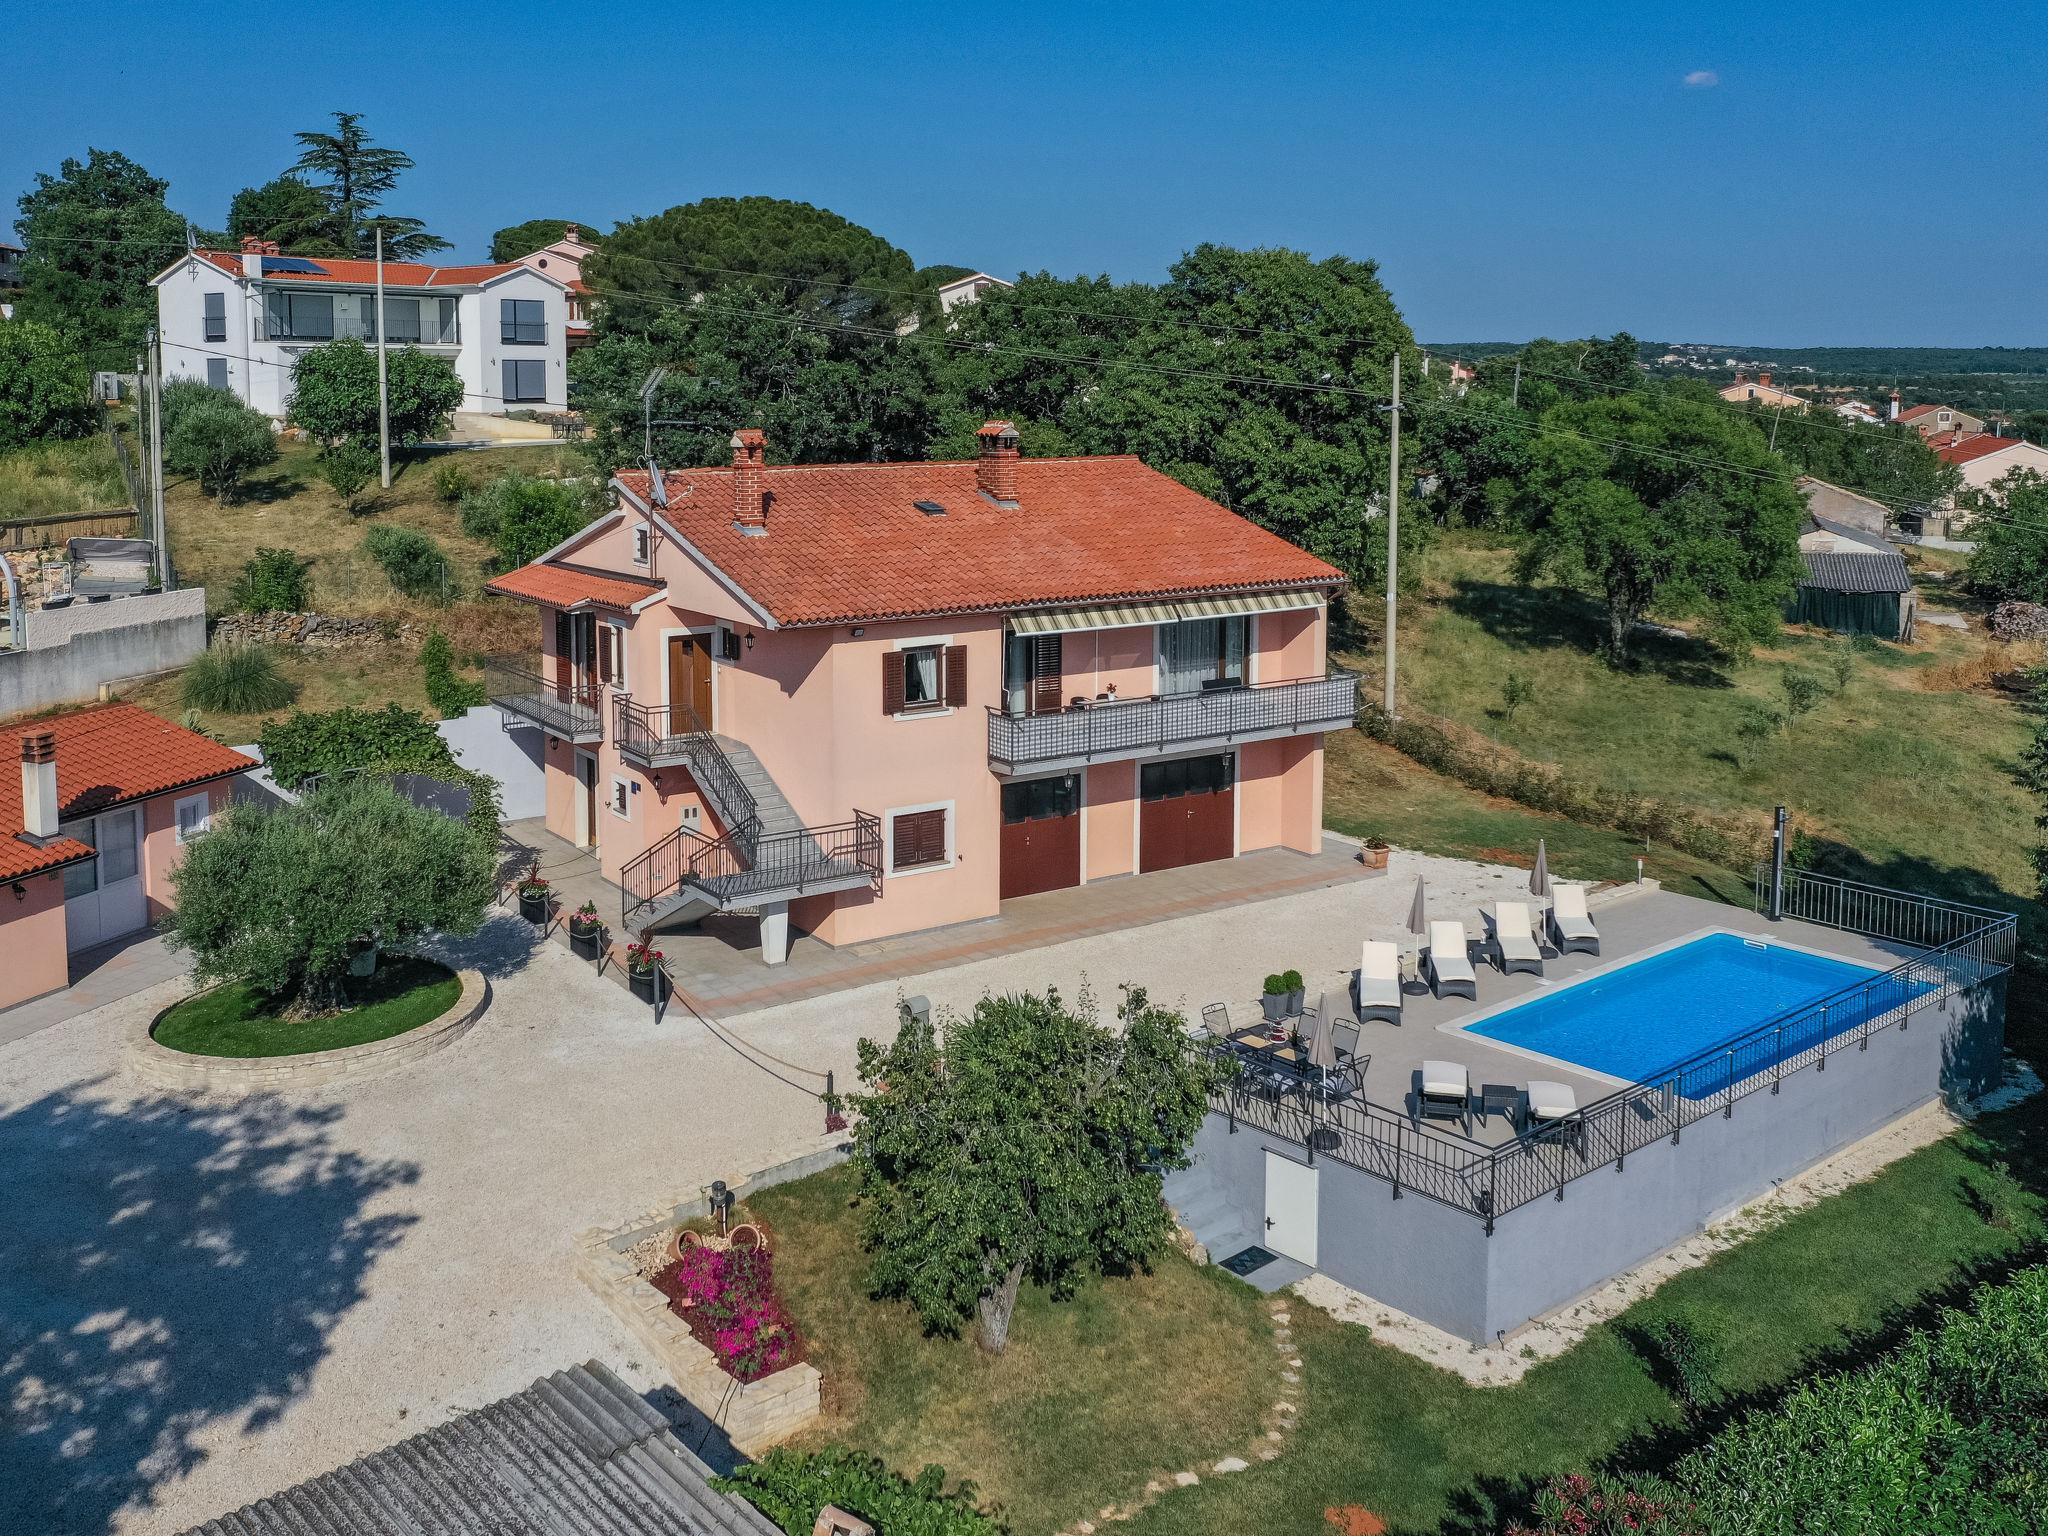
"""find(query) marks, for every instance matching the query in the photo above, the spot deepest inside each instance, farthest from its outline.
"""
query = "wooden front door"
(689, 679)
(1041, 848)
(586, 771)
(1187, 812)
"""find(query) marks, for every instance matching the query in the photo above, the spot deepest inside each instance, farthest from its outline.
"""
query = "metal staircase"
(767, 853)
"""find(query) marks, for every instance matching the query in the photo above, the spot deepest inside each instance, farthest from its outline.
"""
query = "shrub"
(1755, 725)
(334, 393)
(729, 1299)
(451, 481)
(1803, 691)
(1685, 1347)
(274, 581)
(1585, 1506)
(522, 516)
(181, 397)
(411, 559)
(45, 389)
(1515, 691)
(235, 680)
(218, 443)
(348, 469)
(1842, 662)
(791, 1487)
(451, 695)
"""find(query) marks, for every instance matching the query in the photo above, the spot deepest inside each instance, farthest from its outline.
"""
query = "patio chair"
(1571, 927)
(1443, 1091)
(1449, 961)
(1553, 1111)
(1216, 1020)
(1344, 1036)
(1513, 935)
(1379, 981)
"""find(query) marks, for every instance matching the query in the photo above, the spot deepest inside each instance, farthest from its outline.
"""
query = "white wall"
(482, 364)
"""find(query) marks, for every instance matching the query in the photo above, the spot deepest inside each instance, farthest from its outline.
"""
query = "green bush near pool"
(238, 1020)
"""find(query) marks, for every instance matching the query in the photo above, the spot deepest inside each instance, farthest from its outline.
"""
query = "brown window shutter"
(892, 685)
(956, 676)
(605, 636)
(563, 671)
(919, 838)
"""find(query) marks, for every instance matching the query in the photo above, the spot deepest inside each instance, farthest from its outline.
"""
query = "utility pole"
(1774, 428)
(647, 389)
(1393, 526)
(383, 393)
(156, 459)
(1515, 399)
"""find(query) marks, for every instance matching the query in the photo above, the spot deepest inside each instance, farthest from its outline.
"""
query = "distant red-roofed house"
(91, 829)
(239, 320)
(869, 699)
(1983, 458)
(1939, 421)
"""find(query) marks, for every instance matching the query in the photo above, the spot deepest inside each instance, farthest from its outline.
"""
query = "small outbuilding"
(1855, 583)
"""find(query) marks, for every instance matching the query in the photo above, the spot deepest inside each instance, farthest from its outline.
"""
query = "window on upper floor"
(299, 316)
(216, 313)
(640, 544)
(924, 677)
(401, 318)
(522, 322)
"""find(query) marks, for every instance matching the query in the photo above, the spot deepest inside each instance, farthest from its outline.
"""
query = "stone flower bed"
(728, 1300)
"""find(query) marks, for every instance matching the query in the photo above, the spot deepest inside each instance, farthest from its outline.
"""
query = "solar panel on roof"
(292, 264)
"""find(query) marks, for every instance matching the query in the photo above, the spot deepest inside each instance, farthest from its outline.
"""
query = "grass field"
(237, 1020)
(368, 678)
(1427, 1453)
(1129, 1379)
(54, 478)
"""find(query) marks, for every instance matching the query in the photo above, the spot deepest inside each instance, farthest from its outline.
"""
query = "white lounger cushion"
(1551, 1101)
(1568, 911)
(1514, 932)
(1446, 1079)
(1447, 951)
(1379, 973)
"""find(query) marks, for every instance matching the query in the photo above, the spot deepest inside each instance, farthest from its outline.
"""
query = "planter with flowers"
(533, 899)
(643, 970)
(727, 1297)
(1374, 852)
(586, 933)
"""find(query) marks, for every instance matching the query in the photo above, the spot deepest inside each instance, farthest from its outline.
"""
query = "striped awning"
(1123, 615)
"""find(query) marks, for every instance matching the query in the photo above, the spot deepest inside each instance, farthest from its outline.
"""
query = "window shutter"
(892, 687)
(605, 635)
(956, 676)
(511, 380)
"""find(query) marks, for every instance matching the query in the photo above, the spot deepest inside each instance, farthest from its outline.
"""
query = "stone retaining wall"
(316, 631)
(162, 1067)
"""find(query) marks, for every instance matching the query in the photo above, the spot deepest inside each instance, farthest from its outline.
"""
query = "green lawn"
(236, 1020)
(1427, 1453)
(1131, 1378)
(51, 479)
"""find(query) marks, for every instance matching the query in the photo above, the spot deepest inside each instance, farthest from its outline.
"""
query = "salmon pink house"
(867, 699)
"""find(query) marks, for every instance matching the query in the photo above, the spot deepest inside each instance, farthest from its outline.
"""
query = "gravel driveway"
(202, 1301)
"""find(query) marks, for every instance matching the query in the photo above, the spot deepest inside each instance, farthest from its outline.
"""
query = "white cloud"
(1701, 80)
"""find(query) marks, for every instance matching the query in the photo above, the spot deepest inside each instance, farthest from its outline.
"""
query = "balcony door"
(575, 654)
(1032, 679)
(1200, 653)
(689, 682)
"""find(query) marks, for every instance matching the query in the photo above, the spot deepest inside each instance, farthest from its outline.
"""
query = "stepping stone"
(1185, 1479)
(1290, 1377)
(1231, 1464)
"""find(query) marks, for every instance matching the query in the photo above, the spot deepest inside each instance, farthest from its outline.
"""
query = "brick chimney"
(39, 785)
(1764, 379)
(1741, 377)
(253, 252)
(749, 500)
(996, 475)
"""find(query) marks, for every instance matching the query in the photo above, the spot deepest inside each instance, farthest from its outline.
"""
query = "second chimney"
(39, 785)
(1764, 379)
(749, 458)
(995, 476)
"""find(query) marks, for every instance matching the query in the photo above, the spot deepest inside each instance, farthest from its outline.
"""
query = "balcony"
(284, 328)
(1218, 717)
(566, 709)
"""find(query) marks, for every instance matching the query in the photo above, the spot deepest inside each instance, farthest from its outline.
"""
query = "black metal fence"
(566, 708)
(1964, 946)
(1119, 727)
(663, 733)
(747, 864)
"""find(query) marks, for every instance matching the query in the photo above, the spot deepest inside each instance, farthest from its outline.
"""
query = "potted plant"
(1374, 853)
(643, 970)
(533, 899)
(1277, 1002)
(586, 933)
(1297, 991)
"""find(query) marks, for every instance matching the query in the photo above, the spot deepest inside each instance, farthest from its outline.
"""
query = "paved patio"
(101, 975)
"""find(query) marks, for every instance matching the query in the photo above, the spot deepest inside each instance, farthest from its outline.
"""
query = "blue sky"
(1867, 174)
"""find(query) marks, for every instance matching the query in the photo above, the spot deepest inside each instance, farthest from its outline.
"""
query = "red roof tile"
(1962, 447)
(562, 585)
(397, 274)
(108, 756)
(1915, 412)
(847, 542)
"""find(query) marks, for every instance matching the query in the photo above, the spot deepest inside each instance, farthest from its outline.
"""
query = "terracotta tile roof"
(562, 585)
(1961, 447)
(108, 756)
(1915, 412)
(847, 542)
(397, 274)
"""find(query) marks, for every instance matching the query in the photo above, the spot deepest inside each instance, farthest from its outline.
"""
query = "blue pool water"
(1640, 1019)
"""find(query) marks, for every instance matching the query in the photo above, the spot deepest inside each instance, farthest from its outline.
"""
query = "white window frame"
(643, 543)
(201, 827)
(621, 801)
(889, 839)
(928, 711)
(618, 644)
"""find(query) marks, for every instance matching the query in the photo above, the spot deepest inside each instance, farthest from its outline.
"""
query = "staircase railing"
(644, 731)
(747, 862)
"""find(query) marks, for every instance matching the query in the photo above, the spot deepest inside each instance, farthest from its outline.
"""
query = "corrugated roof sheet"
(577, 1453)
(1857, 572)
(1849, 531)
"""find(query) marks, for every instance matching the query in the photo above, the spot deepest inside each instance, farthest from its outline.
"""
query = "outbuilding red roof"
(108, 756)
(560, 584)
(851, 542)
(355, 273)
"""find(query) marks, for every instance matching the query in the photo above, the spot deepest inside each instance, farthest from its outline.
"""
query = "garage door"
(1041, 835)
(1186, 812)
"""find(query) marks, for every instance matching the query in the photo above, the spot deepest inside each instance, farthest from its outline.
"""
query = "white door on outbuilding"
(1290, 1208)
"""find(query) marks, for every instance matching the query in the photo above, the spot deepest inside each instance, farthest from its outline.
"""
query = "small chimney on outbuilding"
(39, 785)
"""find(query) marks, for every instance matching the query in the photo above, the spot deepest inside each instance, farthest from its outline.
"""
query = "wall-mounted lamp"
(750, 639)
(859, 630)
(20, 891)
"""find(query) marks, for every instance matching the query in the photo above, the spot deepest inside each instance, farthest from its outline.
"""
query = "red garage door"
(1187, 812)
(1041, 836)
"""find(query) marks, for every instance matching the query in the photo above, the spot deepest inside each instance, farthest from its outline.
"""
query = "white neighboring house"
(564, 259)
(239, 320)
(967, 290)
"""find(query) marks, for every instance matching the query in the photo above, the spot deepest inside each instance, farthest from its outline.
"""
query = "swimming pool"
(1638, 1020)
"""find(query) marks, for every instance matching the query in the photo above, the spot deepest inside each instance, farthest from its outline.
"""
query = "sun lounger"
(1379, 981)
(1570, 926)
(1514, 938)
(1443, 1091)
(1554, 1108)
(1449, 962)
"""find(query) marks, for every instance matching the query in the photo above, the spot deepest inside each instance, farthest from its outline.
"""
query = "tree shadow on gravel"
(166, 1266)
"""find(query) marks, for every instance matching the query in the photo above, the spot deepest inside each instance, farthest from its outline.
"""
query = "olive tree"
(218, 443)
(1024, 1141)
(334, 392)
(284, 898)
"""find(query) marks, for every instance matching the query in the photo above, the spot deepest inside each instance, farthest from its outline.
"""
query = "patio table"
(1504, 1099)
